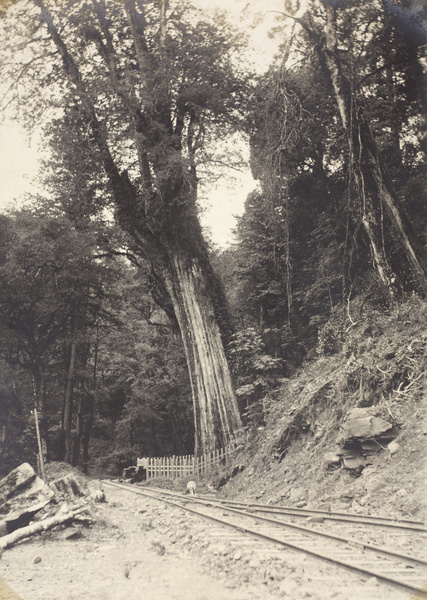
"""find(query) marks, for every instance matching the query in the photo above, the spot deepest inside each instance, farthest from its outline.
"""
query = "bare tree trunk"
(216, 416)
(86, 430)
(68, 400)
(79, 431)
(380, 210)
(39, 398)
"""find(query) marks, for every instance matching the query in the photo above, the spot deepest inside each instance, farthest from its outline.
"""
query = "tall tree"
(150, 83)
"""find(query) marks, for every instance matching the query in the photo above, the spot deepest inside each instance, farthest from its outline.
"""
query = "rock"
(361, 425)
(375, 485)
(312, 495)
(319, 434)
(73, 534)
(393, 447)
(15, 481)
(301, 504)
(355, 506)
(237, 469)
(37, 560)
(37, 491)
(98, 496)
(219, 549)
(275, 499)
(315, 520)
(370, 447)
(354, 462)
(330, 459)
(296, 494)
(288, 587)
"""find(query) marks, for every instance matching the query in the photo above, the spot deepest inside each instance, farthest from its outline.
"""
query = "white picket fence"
(173, 467)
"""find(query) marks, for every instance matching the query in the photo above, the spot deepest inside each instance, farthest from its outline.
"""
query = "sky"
(19, 156)
(19, 164)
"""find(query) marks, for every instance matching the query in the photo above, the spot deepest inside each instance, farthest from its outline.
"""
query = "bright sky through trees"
(19, 158)
(19, 163)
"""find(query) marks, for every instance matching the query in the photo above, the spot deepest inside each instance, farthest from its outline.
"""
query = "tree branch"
(131, 257)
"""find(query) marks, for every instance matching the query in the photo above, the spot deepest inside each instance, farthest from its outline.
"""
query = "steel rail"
(159, 495)
(374, 520)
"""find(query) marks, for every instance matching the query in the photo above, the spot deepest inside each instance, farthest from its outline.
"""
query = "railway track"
(371, 520)
(404, 570)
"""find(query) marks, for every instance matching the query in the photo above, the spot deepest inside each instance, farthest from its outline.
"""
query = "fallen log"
(24, 532)
(20, 518)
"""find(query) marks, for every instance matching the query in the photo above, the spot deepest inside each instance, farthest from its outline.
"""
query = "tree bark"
(21, 517)
(37, 527)
(86, 430)
(216, 416)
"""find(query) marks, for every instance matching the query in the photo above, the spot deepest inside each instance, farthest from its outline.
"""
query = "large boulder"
(361, 426)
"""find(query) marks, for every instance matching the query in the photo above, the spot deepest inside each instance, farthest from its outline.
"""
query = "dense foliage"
(126, 389)
(303, 248)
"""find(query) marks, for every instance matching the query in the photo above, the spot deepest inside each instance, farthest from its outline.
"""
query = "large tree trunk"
(394, 248)
(216, 416)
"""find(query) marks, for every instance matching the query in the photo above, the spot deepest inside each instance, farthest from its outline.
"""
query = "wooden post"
(41, 460)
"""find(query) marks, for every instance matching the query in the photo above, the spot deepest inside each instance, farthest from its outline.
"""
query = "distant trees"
(50, 294)
(324, 132)
(82, 342)
(395, 250)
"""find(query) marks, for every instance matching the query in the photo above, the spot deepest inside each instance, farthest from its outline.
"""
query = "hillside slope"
(317, 450)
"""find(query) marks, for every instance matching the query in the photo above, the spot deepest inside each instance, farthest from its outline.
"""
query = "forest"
(121, 324)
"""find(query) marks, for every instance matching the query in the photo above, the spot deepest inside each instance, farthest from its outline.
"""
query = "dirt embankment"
(302, 456)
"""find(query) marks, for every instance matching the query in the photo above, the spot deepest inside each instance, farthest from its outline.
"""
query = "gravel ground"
(140, 548)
